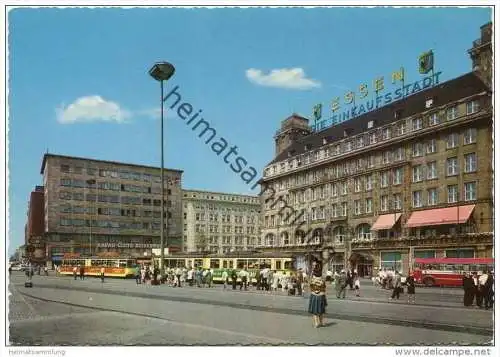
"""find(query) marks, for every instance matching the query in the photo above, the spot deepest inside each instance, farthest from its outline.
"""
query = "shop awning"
(385, 221)
(439, 216)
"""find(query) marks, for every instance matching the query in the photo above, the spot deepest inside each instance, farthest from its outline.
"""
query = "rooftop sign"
(358, 103)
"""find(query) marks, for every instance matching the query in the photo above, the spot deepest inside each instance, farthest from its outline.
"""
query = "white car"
(18, 267)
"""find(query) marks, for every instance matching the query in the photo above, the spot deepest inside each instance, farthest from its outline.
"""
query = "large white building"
(220, 222)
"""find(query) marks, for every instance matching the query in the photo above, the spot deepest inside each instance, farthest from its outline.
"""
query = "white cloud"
(289, 78)
(91, 108)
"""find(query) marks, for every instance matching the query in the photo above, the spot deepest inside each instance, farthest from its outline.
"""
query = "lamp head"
(162, 71)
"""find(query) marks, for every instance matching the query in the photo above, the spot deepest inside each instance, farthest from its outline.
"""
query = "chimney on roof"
(292, 130)
(482, 56)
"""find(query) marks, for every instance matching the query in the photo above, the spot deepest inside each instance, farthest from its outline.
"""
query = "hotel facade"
(411, 179)
(219, 222)
(98, 207)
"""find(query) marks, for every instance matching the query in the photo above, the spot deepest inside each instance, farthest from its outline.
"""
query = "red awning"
(438, 216)
(385, 221)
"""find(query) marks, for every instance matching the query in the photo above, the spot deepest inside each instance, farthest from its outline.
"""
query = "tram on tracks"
(218, 263)
(117, 267)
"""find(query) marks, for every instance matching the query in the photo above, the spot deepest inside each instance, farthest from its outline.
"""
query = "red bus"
(448, 271)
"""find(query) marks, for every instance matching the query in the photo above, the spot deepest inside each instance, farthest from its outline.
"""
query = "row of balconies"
(376, 145)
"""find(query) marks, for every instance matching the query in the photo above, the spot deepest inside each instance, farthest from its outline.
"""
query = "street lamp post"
(162, 71)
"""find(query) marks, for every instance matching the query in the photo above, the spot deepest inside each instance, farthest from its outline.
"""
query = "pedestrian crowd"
(480, 287)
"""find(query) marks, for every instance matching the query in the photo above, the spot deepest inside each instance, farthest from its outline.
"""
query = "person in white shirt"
(265, 276)
(224, 278)
(190, 275)
(178, 273)
(481, 289)
(244, 278)
(357, 284)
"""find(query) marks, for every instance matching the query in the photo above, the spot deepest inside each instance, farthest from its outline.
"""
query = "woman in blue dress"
(317, 299)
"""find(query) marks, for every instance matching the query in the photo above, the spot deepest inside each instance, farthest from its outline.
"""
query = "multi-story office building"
(409, 179)
(96, 206)
(220, 222)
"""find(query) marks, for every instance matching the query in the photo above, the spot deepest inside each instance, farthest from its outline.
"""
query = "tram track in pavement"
(476, 330)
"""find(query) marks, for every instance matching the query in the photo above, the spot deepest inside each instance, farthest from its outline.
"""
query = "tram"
(219, 263)
(118, 267)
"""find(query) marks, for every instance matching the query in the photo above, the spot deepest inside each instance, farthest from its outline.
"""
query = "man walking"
(341, 284)
(300, 281)
(178, 273)
(137, 274)
(234, 277)
(224, 278)
(243, 277)
(397, 286)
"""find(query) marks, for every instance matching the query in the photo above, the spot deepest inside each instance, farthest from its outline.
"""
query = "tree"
(201, 241)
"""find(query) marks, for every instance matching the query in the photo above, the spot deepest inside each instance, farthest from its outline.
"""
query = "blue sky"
(71, 70)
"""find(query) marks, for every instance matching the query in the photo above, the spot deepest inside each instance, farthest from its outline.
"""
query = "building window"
(417, 149)
(452, 113)
(398, 154)
(397, 201)
(418, 173)
(65, 168)
(384, 179)
(452, 141)
(460, 253)
(368, 205)
(452, 193)
(433, 119)
(384, 203)
(335, 190)
(344, 209)
(368, 183)
(416, 124)
(386, 134)
(348, 146)
(417, 199)
(371, 161)
(357, 184)
(470, 191)
(65, 182)
(470, 162)
(357, 207)
(431, 170)
(364, 232)
(398, 176)
(424, 254)
(452, 166)
(391, 260)
(470, 136)
(335, 210)
(431, 146)
(472, 107)
(432, 197)
(343, 188)
(386, 157)
(401, 128)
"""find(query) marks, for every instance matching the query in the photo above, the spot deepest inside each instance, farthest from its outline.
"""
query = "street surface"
(62, 311)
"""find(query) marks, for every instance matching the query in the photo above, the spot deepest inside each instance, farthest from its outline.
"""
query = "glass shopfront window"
(391, 260)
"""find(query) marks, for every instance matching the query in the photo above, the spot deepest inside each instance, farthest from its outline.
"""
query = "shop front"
(362, 262)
